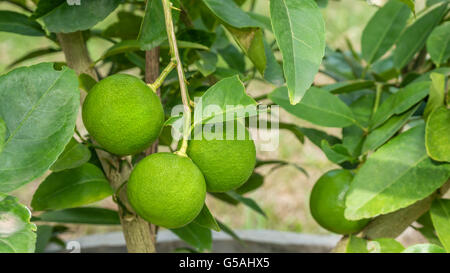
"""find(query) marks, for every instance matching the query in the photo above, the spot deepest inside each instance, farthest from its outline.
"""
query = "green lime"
(123, 114)
(226, 161)
(327, 203)
(167, 190)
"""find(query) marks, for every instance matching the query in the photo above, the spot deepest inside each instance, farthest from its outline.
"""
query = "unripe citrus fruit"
(167, 190)
(226, 162)
(123, 114)
(327, 203)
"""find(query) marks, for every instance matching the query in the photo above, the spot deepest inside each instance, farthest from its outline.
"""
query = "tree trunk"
(138, 235)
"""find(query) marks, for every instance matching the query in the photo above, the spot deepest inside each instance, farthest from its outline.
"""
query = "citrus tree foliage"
(390, 102)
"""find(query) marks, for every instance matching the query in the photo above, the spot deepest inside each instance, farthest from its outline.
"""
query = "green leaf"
(71, 188)
(440, 215)
(2, 134)
(17, 233)
(74, 155)
(414, 37)
(254, 182)
(280, 163)
(337, 153)
(317, 106)
(296, 130)
(94, 216)
(245, 30)
(399, 102)
(70, 18)
(207, 63)
(427, 229)
(300, 33)
(383, 30)
(385, 245)
(228, 231)
(226, 96)
(407, 176)
(424, 248)
(437, 94)
(233, 57)
(348, 86)
(18, 23)
(153, 28)
(438, 135)
(34, 54)
(438, 44)
(206, 219)
(44, 233)
(46, 6)
(246, 201)
(380, 135)
(39, 106)
(411, 5)
(316, 136)
(86, 82)
(126, 28)
(356, 245)
(273, 72)
(195, 235)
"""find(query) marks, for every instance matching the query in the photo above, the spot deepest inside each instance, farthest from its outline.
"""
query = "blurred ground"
(285, 193)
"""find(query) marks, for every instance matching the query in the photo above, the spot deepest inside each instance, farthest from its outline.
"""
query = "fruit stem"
(181, 78)
(160, 80)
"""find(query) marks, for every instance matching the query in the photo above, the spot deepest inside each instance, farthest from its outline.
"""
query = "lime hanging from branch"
(123, 114)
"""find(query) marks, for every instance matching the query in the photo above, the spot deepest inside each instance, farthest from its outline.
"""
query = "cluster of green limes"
(125, 117)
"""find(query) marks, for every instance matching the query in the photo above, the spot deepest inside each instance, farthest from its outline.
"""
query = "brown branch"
(136, 230)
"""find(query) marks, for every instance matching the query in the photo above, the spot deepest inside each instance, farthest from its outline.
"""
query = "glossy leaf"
(18, 23)
(70, 18)
(233, 57)
(380, 135)
(254, 182)
(273, 72)
(71, 188)
(356, 245)
(438, 44)
(247, 201)
(89, 215)
(440, 215)
(17, 233)
(34, 54)
(245, 30)
(228, 231)
(206, 219)
(385, 245)
(438, 135)
(400, 102)
(300, 33)
(225, 97)
(153, 28)
(411, 5)
(437, 94)
(74, 155)
(317, 106)
(195, 235)
(383, 30)
(414, 37)
(39, 127)
(408, 176)
(43, 235)
(337, 153)
(424, 248)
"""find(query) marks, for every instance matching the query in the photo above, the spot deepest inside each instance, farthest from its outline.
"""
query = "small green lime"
(123, 114)
(167, 190)
(327, 203)
(226, 161)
